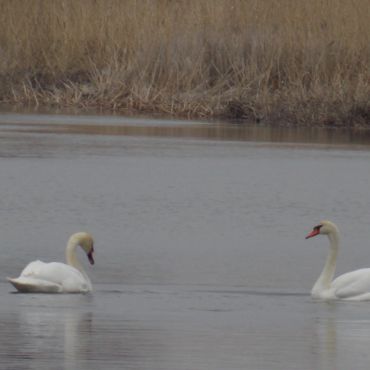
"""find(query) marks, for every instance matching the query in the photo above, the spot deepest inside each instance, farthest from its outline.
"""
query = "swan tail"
(32, 285)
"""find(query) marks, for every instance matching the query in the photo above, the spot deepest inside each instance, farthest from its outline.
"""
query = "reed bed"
(276, 61)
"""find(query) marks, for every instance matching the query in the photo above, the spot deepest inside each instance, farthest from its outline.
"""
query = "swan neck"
(334, 240)
(327, 274)
(71, 256)
(72, 260)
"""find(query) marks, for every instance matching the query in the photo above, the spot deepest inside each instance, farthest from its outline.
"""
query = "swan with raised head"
(57, 277)
(354, 285)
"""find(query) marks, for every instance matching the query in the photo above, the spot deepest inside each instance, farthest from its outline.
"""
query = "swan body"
(353, 286)
(57, 277)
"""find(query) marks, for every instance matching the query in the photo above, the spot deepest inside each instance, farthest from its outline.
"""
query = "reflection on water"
(55, 335)
(327, 341)
(97, 125)
(340, 343)
(178, 328)
(37, 335)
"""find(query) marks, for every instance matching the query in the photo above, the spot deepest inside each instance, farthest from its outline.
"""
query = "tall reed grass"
(279, 61)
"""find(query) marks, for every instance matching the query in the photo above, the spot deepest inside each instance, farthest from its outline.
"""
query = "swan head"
(86, 242)
(323, 228)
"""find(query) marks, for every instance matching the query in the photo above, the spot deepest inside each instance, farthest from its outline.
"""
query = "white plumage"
(353, 286)
(57, 277)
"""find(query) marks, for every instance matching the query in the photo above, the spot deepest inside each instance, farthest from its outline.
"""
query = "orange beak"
(314, 232)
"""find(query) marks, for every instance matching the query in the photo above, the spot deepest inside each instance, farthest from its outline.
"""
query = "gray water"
(201, 261)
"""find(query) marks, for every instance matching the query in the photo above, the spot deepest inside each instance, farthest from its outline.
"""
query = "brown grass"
(279, 61)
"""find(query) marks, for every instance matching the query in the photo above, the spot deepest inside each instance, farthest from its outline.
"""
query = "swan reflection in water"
(341, 343)
(41, 338)
(58, 335)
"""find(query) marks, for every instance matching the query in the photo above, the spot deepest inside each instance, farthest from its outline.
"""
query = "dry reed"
(277, 61)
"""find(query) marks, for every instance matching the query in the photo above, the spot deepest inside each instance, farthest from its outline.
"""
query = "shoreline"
(277, 119)
(294, 64)
(83, 123)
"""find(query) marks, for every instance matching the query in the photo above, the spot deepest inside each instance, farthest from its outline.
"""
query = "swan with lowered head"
(57, 277)
(353, 286)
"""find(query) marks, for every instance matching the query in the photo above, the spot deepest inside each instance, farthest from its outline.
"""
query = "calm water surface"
(201, 261)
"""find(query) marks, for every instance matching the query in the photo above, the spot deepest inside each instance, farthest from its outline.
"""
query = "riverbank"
(283, 63)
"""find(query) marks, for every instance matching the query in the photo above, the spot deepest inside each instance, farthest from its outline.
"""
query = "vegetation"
(274, 61)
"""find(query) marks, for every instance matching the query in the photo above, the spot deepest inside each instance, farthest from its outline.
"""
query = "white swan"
(57, 277)
(354, 285)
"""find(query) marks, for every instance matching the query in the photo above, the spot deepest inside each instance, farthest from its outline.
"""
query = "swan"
(352, 286)
(57, 277)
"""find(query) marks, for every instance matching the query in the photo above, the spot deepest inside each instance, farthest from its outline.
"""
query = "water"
(201, 261)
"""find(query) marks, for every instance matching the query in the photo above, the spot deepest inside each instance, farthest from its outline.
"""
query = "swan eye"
(317, 228)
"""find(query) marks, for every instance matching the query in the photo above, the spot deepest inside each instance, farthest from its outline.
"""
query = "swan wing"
(33, 268)
(51, 277)
(32, 285)
(353, 285)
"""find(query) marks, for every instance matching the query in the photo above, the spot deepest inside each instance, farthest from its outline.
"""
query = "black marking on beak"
(90, 256)
(315, 231)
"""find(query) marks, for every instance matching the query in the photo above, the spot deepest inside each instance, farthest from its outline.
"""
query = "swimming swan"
(354, 285)
(57, 277)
